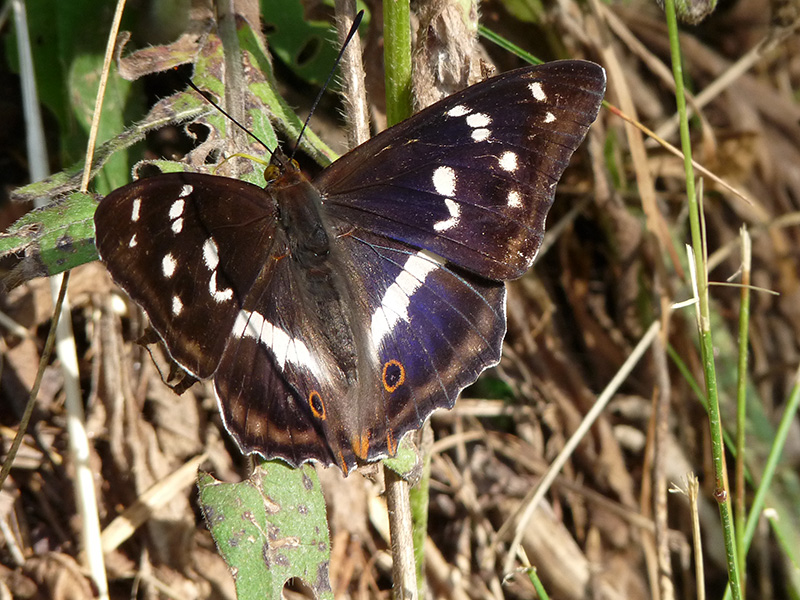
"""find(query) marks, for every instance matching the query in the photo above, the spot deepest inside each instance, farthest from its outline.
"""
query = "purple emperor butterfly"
(335, 314)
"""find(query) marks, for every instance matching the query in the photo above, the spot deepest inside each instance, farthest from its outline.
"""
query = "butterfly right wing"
(187, 248)
(433, 329)
(420, 331)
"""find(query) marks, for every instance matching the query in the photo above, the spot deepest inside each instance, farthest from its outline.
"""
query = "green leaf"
(84, 80)
(269, 529)
(68, 41)
(309, 48)
(53, 239)
(45, 252)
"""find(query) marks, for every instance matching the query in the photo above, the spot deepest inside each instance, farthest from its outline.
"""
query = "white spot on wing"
(217, 294)
(395, 301)
(168, 265)
(177, 306)
(444, 181)
(185, 191)
(210, 254)
(549, 117)
(480, 135)
(283, 347)
(514, 199)
(455, 211)
(458, 111)
(177, 225)
(176, 210)
(133, 242)
(478, 120)
(277, 340)
(137, 206)
(508, 161)
(537, 91)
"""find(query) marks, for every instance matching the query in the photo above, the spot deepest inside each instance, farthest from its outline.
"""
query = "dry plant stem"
(17, 558)
(693, 488)
(618, 85)
(43, 360)
(98, 102)
(672, 149)
(159, 494)
(721, 253)
(13, 327)
(404, 573)
(700, 280)
(728, 77)
(532, 500)
(660, 487)
(354, 92)
(741, 399)
(635, 519)
(643, 53)
(646, 506)
(84, 482)
(234, 75)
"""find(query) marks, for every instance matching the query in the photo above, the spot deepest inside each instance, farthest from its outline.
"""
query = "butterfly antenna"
(350, 34)
(191, 84)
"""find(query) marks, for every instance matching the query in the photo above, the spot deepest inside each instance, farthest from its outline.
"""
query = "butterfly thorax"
(300, 216)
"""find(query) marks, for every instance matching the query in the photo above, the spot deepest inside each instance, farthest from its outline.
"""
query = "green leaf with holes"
(270, 528)
(71, 243)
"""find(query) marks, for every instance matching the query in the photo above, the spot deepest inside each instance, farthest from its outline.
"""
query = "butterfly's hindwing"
(472, 177)
(433, 330)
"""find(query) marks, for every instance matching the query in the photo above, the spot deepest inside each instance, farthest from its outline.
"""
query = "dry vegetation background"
(609, 272)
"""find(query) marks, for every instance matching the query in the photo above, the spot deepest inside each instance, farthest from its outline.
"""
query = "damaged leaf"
(61, 236)
(270, 528)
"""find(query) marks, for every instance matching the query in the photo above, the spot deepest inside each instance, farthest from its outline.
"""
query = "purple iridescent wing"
(472, 177)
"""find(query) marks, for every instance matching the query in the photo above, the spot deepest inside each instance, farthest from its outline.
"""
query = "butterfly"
(334, 315)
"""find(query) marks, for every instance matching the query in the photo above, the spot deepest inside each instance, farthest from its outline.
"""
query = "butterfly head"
(282, 172)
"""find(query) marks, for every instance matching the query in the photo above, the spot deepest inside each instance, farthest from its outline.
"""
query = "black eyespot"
(317, 405)
(394, 375)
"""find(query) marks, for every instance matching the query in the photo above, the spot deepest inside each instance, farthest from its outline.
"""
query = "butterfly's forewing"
(472, 177)
(187, 247)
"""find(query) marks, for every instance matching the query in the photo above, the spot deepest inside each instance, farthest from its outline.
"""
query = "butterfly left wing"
(472, 177)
